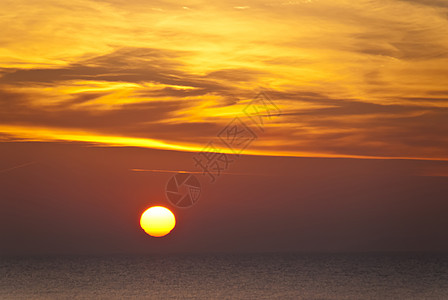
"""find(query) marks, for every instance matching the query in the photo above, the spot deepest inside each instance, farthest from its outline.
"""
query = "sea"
(227, 276)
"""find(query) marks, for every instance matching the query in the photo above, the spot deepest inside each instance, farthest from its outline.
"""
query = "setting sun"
(157, 221)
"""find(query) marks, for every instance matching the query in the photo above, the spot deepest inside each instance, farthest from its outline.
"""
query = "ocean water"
(225, 276)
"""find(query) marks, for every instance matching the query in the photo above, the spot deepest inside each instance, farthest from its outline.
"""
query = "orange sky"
(82, 80)
(352, 78)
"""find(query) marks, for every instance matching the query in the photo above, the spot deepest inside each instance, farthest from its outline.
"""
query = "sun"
(157, 221)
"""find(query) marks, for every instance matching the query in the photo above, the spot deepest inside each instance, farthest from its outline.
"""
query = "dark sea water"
(244, 276)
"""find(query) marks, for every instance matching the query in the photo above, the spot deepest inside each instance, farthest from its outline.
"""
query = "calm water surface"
(248, 276)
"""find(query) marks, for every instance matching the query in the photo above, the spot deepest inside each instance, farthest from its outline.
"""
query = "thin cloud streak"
(44, 134)
(17, 167)
(196, 172)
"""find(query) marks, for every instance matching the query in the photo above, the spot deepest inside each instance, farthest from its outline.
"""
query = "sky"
(101, 101)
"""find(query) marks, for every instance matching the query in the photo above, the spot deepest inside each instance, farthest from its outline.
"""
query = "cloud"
(351, 79)
(434, 3)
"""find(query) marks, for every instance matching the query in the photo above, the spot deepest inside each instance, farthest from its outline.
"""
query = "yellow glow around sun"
(157, 221)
